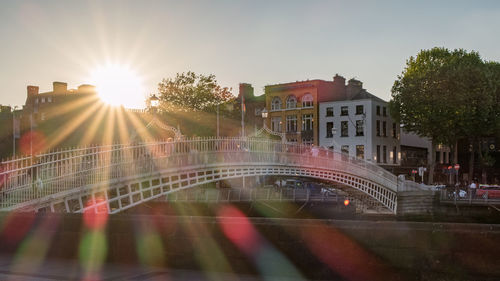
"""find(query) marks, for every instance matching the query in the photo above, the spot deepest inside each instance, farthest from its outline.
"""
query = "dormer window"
(276, 103)
(291, 102)
(307, 100)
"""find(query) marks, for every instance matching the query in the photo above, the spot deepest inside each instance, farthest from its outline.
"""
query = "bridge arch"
(122, 176)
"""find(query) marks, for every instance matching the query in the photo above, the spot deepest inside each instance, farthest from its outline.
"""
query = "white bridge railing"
(28, 179)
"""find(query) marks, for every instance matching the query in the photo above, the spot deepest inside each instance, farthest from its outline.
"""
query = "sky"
(256, 42)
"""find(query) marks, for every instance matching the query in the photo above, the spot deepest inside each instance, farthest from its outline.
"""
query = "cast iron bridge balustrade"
(116, 177)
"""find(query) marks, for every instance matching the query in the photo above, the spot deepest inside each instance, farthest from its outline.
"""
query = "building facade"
(360, 126)
(293, 107)
(43, 106)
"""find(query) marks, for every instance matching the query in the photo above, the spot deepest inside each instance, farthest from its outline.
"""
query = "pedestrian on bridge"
(473, 188)
(314, 151)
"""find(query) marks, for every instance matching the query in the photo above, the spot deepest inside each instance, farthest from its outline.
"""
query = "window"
(329, 127)
(276, 124)
(378, 128)
(307, 122)
(43, 100)
(384, 129)
(394, 131)
(276, 103)
(384, 111)
(36, 100)
(359, 128)
(438, 157)
(329, 111)
(49, 99)
(42, 116)
(344, 111)
(385, 153)
(345, 149)
(378, 153)
(359, 109)
(291, 123)
(378, 110)
(360, 151)
(344, 129)
(307, 100)
(291, 102)
(394, 153)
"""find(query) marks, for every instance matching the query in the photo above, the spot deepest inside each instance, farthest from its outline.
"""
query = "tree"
(189, 92)
(443, 95)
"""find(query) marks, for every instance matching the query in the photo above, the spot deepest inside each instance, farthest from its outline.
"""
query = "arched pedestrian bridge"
(117, 177)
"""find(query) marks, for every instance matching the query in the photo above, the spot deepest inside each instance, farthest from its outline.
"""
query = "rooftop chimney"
(60, 87)
(337, 79)
(86, 88)
(32, 91)
(246, 90)
(338, 87)
(353, 88)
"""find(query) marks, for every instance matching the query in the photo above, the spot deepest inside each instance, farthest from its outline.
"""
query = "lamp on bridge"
(264, 114)
(154, 102)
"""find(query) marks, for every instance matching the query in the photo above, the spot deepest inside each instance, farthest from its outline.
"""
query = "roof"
(365, 95)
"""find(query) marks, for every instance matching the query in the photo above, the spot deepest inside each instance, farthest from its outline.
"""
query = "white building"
(362, 127)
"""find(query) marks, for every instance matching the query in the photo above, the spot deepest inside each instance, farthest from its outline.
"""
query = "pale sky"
(257, 42)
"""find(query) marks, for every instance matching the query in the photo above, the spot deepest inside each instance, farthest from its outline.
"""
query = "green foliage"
(189, 92)
(493, 69)
(446, 95)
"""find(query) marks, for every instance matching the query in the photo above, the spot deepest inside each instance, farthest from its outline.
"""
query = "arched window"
(276, 103)
(291, 102)
(307, 100)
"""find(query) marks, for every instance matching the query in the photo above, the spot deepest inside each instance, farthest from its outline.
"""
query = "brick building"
(293, 107)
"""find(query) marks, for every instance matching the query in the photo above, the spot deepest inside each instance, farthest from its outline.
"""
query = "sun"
(118, 85)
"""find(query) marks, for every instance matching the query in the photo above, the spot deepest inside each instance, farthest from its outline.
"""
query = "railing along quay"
(452, 197)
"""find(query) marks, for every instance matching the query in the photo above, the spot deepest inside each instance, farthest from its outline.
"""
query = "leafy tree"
(189, 92)
(444, 95)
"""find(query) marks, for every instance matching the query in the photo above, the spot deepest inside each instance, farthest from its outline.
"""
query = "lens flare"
(92, 252)
(238, 229)
(15, 227)
(32, 142)
(97, 217)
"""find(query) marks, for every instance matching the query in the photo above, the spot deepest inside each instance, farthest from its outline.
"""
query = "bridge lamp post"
(264, 114)
(154, 102)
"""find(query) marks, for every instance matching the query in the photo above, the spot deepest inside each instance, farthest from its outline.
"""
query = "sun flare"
(118, 85)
